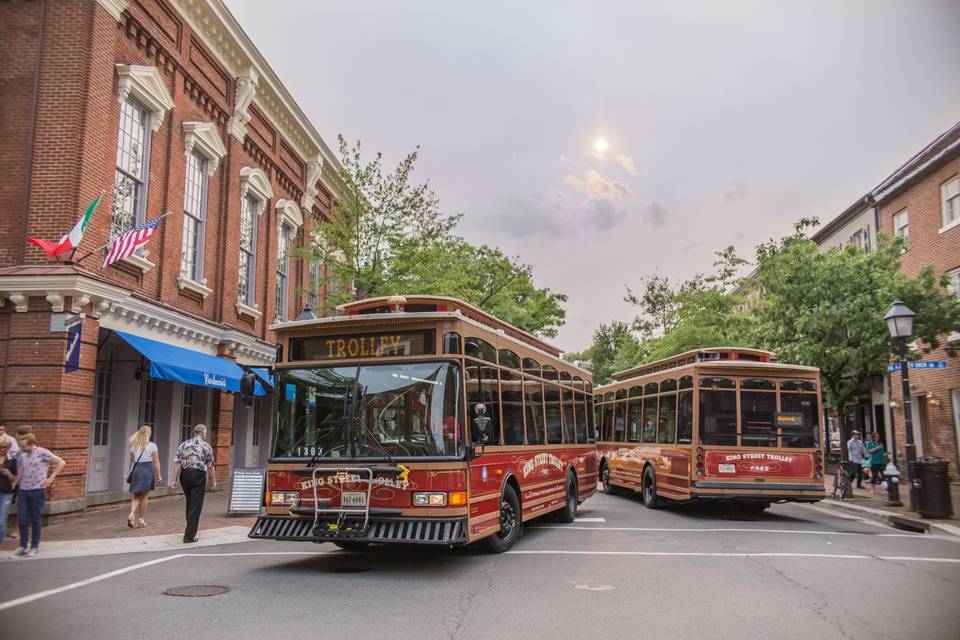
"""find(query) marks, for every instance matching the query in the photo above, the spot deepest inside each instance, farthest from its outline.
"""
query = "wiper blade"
(318, 453)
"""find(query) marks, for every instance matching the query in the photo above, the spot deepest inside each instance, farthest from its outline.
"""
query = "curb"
(164, 542)
(890, 518)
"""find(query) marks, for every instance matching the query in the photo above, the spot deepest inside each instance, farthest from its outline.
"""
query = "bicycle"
(841, 483)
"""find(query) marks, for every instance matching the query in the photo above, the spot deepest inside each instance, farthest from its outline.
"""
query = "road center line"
(705, 554)
(731, 530)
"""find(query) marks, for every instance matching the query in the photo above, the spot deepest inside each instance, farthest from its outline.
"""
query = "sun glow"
(600, 144)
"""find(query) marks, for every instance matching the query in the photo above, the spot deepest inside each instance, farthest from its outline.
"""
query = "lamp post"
(900, 321)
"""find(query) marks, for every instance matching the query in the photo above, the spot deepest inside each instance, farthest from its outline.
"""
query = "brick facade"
(58, 149)
(930, 244)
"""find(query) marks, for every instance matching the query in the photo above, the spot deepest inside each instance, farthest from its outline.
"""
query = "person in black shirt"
(8, 472)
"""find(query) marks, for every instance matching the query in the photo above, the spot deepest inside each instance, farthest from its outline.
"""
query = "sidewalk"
(107, 531)
(875, 507)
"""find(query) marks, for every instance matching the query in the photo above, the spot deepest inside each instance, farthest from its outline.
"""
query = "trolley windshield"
(370, 411)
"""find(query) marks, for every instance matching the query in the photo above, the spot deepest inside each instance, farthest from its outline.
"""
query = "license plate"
(728, 468)
(354, 499)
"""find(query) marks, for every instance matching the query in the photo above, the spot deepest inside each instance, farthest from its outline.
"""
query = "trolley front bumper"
(434, 531)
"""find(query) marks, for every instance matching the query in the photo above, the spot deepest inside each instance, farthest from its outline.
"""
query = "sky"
(724, 122)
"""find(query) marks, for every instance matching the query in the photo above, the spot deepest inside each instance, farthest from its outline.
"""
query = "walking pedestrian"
(8, 475)
(878, 460)
(856, 455)
(144, 473)
(14, 447)
(194, 457)
(32, 483)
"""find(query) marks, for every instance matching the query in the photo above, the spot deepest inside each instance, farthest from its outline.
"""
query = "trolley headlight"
(430, 499)
(284, 497)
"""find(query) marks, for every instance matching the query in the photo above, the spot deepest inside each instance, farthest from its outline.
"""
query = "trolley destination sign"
(370, 345)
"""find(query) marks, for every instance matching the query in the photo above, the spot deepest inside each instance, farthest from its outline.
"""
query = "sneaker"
(32, 553)
(21, 551)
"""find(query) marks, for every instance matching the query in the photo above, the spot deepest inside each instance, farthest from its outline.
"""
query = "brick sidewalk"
(863, 497)
(164, 516)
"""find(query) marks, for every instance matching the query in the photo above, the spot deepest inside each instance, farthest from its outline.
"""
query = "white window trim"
(289, 214)
(201, 232)
(283, 228)
(144, 84)
(943, 205)
(186, 284)
(242, 305)
(256, 181)
(251, 312)
(140, 262)
(203, 138)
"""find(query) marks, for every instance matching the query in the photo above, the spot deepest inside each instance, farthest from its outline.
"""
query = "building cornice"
(220, 31)
(114, 7)
(119, 309)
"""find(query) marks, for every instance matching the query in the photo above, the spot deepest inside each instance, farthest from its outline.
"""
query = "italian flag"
(70, 241)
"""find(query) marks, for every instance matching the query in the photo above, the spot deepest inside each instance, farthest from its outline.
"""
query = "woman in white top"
(144, 474)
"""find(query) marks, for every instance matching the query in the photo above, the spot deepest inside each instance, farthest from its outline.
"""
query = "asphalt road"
(621, 571)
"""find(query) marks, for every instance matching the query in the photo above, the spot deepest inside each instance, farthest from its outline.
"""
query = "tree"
(389, 237)
(700, 312)
(609, 340)
(382, 227)
(490, 280)
(825, 308)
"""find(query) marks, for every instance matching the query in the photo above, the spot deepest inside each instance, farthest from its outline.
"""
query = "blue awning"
(168, 362)
(264, 374)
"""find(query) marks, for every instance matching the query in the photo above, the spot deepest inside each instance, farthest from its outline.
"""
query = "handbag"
(130, 475)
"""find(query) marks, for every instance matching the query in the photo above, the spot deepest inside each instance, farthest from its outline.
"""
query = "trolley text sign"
(369, 345)
(733, 464)
(787, 419)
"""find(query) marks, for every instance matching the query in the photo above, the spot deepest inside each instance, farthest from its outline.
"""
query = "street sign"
(72, 356)
(920, 364)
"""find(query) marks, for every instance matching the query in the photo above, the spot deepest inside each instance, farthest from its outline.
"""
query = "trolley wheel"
(650, 499)
(350, 545)
(608, 488)
(569, 511)
(510, 523)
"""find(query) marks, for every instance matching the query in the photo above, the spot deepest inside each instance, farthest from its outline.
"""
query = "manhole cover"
(592, 586)
(348, 568)
(196, 590)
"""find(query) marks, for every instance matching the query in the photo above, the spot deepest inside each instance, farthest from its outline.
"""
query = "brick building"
(921, 201)
(162, 105)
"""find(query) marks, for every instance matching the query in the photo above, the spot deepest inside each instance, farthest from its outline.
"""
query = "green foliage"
(387, 236)
(825, 308)
(605, 356)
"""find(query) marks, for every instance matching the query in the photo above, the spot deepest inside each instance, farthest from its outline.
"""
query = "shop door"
(98, 470)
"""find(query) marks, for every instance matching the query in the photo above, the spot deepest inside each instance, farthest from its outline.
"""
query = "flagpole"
(104, 246)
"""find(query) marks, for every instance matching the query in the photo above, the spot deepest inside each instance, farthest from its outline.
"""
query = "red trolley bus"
(725, 423)
(422, 420)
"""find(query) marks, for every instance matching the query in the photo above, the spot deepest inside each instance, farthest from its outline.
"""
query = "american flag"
(127, 243)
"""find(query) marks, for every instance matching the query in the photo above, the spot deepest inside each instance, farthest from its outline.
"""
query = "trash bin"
(933, 488)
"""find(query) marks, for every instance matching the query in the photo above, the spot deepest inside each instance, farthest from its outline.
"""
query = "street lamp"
(900, 321)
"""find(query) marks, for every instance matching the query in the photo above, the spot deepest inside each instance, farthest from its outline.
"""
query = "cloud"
(656, 214)
(602, 215)
(596, 187)
(627, 163)
(524, 217)
(738, 192)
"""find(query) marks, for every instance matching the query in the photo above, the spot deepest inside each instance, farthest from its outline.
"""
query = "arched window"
(509, 359)
(481, 349)
(650, 389)
(668, 385)
(451, 343)
(531, 367)
(550, 373)
(635, 391)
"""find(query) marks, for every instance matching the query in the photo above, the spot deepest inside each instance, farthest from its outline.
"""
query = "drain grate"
(196, 590)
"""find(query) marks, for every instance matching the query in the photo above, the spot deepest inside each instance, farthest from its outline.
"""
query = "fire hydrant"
(892, 475)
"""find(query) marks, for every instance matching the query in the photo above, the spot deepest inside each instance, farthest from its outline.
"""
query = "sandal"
(141, 524)
(130, 521)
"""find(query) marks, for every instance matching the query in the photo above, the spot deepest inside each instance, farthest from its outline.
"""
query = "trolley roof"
(711, 354)
(420, 306)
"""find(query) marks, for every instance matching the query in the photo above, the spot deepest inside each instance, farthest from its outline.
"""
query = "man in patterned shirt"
(194, 457)
(32, 482)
